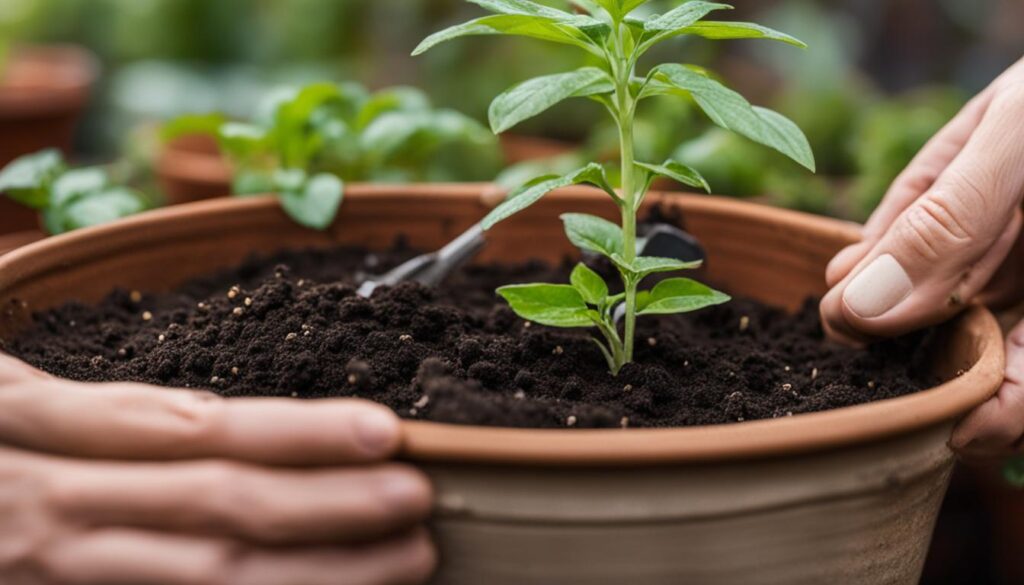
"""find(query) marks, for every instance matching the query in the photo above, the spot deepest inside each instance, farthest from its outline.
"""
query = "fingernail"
(377, 431)
(878, 288)
(404, 490)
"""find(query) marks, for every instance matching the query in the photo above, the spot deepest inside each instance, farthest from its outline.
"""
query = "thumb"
(946, 245)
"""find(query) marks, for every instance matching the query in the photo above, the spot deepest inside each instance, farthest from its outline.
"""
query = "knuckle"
(197, 417)
(26, 521)
(933, 226)
(244, 503)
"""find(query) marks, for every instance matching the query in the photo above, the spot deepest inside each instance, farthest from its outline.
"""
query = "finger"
(995, 429)
(945, 247)
(12, 370)
(130, 557)
(919, 176)
(250, 503)
(135, 421)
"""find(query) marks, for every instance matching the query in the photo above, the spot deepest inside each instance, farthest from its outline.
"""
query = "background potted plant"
(393, 135)
(43, 91)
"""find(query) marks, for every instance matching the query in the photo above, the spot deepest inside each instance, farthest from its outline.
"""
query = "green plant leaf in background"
(27, 178)
(676, 171)
(1013, 471)
(313, 203)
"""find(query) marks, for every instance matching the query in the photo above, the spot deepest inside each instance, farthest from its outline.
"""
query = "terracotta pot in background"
(191, 168)
(43, 91)
(15, 240)
(848, 496)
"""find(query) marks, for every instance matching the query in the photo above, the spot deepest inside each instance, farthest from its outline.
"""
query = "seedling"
(68, 198)
(616, 39)
(305, 143)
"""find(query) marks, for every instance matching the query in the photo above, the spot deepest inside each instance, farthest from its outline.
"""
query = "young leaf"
(533, 192)
(524, 7)
(528, 99)
(593, 233)
(646, 265)
(682, 16)
(676, 171)
(77, 182)
(192, 124)
(315, 204)
(730, 110)
(591, 287)
(92, 209)
(715, 30)
(555, 305)
(679, 295)
(1013, 471)
(25, 179)
(563, 32)
(242, 141)
(400, 99)
(252, 182)
(618, 9)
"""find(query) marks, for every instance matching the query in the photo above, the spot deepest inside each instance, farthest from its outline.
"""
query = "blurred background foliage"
(881, 76)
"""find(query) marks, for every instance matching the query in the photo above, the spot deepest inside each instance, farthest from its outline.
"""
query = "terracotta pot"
(13, 241)
(191, 168)
(848, 496)
(43, 91)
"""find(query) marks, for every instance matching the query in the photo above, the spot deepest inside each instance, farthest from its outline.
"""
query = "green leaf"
(94, 208)
(76, 183)
(242, 141)
(315, 204)
(591, 287)
(682, 16)
(26, 179)
(715, 30)
(252, 182)
(642, 266)
(532, 97)
(676, 171)
(401, 99)
(593, 233)
(565, 32)
(191, 125)
(679, 295)
(555, 305)
(618, 9)
(533, 192)
(524, 7)
(730, 110)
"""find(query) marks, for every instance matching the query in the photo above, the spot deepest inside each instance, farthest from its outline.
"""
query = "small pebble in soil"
(291, 336)
(814, 373)
(234, 371)
(248, 301)
(237, 312)
(651, 341)
(233, 292)
(147, 316)
(571, 421)
(744, 323)
(559, 350)
(135, 296)
(871, 384)
(627, 388)
(787, 387)
(405, 338)
(624, 422)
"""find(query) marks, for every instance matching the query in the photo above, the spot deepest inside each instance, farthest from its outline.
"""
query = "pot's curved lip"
(45, 78)
(425, 441)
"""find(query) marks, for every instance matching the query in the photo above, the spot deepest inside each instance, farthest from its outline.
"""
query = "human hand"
(112, 484)
(947, 232)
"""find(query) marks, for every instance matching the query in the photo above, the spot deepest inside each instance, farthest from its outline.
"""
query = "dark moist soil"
(292, 325)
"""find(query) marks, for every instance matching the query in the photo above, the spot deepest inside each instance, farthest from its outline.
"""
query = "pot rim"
(428, 441)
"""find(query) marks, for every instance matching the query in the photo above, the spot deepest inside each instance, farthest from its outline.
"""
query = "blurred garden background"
(881, 76)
